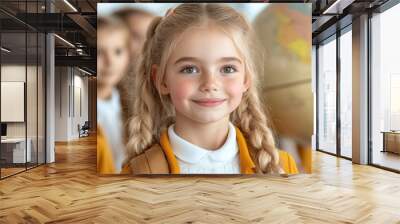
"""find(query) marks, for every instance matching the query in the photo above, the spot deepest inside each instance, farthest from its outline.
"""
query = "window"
(385, 89)
(346, 93)
(327, 96)
(394, 102)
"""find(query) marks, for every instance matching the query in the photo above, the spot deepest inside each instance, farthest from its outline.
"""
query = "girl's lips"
(209, 102)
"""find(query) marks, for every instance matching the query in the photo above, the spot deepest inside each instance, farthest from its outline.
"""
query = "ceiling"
(72, 20)
(330, 15)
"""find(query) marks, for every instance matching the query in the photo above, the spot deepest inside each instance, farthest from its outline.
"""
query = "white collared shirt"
(193, 159)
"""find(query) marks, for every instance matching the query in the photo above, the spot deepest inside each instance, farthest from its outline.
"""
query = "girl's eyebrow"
(231, 59)
(224, 59)
(186, 59)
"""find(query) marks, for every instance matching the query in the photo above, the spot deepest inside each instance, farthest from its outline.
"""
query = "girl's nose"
(107, 59)
(209, 82)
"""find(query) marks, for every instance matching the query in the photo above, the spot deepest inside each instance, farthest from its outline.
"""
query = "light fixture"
(79, 51)
(329, 9)
(70, 5)
(64, 40)
(5, 50)
(337, 7)
(84, 71)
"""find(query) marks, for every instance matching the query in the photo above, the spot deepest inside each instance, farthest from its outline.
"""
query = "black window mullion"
(317, 96)
(26, 87)
(37, 89)
(369, 90)
(45, 94)
(338, 80)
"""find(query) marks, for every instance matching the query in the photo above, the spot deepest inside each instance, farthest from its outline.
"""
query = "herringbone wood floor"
(70, 191)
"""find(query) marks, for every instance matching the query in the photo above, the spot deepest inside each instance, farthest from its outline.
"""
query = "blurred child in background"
(113, 57)
(137, 20)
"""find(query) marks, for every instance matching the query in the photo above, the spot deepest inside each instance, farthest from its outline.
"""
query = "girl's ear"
(162, 88)
(247, 83)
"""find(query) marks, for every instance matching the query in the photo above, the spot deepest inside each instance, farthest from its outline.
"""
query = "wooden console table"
(391, 141)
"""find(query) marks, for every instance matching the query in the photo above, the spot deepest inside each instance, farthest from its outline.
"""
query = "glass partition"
(31, 100)
(22, 89)
(14, 154)
(41, 91)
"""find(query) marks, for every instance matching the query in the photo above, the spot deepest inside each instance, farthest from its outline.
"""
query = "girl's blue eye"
(190, 69)
(228, 69)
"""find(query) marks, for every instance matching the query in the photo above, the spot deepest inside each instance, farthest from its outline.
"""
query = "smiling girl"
(197, 109)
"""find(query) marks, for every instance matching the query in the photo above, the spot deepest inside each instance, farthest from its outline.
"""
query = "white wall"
(70, 83)
(16, 73)
(61, 103)
(80, 104)
(12, 101)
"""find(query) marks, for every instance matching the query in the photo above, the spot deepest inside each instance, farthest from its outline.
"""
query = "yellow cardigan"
(106, 166)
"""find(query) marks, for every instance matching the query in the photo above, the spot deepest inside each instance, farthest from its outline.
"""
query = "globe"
(284, 31)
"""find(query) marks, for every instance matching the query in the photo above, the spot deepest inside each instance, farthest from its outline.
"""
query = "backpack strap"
(152, 161)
